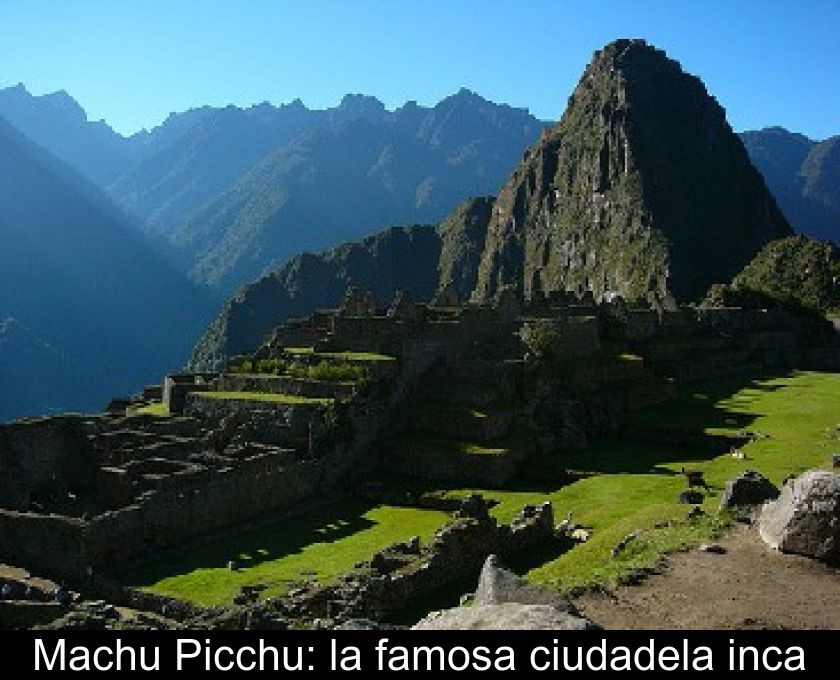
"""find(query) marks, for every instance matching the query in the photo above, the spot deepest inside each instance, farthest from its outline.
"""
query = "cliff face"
(462, 236)
(642, 188)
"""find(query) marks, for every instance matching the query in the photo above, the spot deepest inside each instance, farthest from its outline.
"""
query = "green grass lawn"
(156, 408)
(619, 487)
(626, 486)
(319, 545)
(263, 396)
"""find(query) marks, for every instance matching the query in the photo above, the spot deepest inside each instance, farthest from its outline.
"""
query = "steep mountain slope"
(196, 155)
(803, 175)
(641, 189)
(794, 271)
(91, 298)
(416, 259)
(57, 123)
(340, 181)
(36, 376)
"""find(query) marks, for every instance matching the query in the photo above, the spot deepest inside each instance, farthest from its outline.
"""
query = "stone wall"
(47, 543)
(43, 455)
(405, 575)
(176, 388)
(296, 415)
(440, 461)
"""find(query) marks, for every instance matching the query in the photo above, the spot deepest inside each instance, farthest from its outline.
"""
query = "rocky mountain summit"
(641, 189)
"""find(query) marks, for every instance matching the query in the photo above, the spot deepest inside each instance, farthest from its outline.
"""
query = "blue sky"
(131, 63)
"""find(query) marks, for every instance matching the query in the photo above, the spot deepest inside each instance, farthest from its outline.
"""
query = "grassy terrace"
(156, 408)
(623, 485)
(319, 545)
(263, 396)
(340, 356)
(619, 486)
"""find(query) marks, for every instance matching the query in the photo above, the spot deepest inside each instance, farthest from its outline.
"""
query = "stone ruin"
(446, 296)
(357, 304)
(406, 574)
(403, 308)
(80, 494)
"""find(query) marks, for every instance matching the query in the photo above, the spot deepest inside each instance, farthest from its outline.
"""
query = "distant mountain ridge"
(237, 191)
(803, 175)
(337, 183)
(418, 259)
(91, 309)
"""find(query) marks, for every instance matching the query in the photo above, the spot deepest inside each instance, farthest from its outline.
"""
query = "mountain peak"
(361, 103)
(642, 189)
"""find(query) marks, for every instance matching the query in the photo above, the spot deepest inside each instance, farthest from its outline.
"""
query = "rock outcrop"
(747, 490)
(805, 519)
(505, 601)
(507, 616)
(640, 190)
(498, 585)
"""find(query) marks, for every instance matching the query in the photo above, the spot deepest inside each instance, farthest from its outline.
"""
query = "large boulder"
(505, 601)
(748, 489)
(507, 616)
(497, 585)
(805, 519)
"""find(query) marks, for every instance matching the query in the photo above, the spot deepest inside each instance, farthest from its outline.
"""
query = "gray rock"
(805, 519)
(507, 616)
(497, 585)
(690, 497)
(750, 488)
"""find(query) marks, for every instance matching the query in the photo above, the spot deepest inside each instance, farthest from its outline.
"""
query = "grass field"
(625, 486)
(156, 408)
(319, 545)
(619, 487)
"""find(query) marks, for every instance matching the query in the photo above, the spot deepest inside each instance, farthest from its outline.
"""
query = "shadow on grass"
(255, 545)
(704, 421)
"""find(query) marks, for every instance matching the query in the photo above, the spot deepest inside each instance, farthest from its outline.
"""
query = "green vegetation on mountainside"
(794, 272)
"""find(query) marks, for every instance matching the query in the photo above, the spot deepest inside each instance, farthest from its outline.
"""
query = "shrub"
(330, 371)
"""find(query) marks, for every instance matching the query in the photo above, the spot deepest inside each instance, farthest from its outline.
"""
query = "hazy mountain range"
(88, 306)
(116, 251)
(234, 192)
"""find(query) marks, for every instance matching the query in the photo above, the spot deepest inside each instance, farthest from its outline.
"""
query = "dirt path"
(751, 586)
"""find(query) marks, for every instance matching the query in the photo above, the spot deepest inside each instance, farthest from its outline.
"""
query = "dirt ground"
(751, 586)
